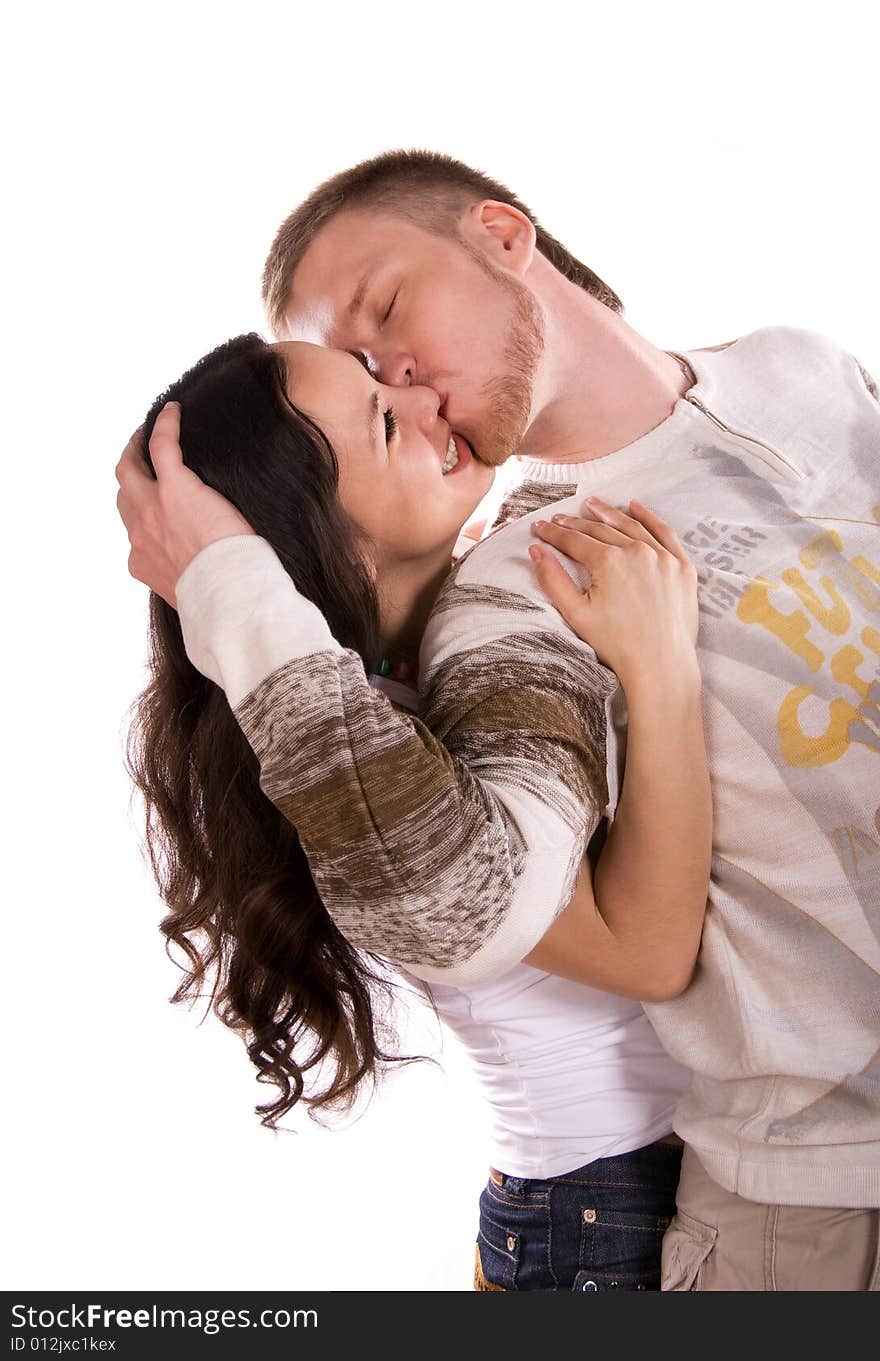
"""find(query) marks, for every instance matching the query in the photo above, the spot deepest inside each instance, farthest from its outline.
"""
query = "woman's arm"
(633, 925)
(449, 852)
(448, 848)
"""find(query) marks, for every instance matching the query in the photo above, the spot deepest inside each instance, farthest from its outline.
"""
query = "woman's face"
(392, 448)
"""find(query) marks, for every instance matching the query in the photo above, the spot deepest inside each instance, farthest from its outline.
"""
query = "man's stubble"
(508, 396)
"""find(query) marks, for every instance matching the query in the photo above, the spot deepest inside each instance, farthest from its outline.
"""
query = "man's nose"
(397, 370)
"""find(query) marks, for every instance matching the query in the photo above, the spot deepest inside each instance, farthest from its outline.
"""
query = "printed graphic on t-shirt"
(789, 647)
(816, 635)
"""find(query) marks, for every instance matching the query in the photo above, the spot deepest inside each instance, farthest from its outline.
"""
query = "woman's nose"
(423, 404)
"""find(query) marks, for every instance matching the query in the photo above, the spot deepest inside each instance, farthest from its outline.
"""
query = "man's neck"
(601, 385)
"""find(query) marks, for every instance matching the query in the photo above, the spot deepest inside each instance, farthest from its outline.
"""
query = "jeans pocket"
(686, 1248)
(619, 1250)
(497, 1248)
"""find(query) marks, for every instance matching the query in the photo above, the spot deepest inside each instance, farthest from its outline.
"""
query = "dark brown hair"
(425, 187)
(243, 906)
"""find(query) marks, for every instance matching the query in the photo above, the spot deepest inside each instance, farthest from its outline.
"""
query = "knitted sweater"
(449, 847)
(446, 844)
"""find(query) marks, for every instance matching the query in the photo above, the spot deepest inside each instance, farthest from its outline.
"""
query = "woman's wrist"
(660, 681)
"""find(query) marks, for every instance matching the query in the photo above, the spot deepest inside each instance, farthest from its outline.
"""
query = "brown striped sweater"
(431, 842)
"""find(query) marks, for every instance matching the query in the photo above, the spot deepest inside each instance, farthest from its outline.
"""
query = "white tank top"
(571, 1074)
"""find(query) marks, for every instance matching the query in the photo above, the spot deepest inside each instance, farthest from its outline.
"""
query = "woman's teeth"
(451, 458)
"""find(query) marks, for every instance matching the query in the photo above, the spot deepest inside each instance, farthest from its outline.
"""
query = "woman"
(361, 506)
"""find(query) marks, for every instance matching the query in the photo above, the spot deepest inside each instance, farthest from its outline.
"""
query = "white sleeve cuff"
(242, 617)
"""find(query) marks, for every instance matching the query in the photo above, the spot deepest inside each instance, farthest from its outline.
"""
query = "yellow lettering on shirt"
(867, 569)
(843, 669)
(836, 618)
(860, 578)
(801, 749)
(848, 841)
(792, 629)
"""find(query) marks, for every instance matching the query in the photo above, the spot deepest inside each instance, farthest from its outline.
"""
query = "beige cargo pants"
(719, 1241)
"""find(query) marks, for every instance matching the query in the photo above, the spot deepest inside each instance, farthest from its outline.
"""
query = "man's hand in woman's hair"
(170, 517)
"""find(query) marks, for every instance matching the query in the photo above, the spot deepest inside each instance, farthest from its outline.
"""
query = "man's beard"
(508, 396)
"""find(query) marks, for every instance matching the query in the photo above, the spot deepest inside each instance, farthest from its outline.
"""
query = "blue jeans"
(597, 1228)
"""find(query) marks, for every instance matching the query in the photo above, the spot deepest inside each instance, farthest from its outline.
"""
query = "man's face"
(428, 310)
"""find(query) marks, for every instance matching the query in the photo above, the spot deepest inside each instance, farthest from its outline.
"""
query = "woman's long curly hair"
(243, 906)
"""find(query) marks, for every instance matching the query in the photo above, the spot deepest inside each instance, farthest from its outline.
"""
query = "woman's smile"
(391, 443)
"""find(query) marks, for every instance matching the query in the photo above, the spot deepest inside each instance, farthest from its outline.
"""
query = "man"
(763, 456)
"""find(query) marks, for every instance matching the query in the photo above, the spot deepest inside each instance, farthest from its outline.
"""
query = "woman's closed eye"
(390, 308)
(389, 416)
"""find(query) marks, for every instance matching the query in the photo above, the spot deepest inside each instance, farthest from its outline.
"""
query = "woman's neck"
(407, 592)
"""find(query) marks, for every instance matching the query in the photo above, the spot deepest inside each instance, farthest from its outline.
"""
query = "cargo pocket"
(686, 1248)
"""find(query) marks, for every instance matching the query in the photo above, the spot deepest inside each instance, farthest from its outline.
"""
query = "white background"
(716, 163)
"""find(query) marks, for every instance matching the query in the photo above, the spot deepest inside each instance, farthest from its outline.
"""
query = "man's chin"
(501, 440)
(493, 453)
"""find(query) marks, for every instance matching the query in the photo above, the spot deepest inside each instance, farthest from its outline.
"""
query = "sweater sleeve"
(869, 381)
(447, 851)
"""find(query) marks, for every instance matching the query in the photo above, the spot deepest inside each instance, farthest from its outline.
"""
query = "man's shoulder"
(490, 592)
(767, 346)
(492, 618)
(531, 495)
(497, 577)
(774, 374)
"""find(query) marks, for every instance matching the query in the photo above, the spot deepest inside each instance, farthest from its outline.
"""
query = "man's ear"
(502, 232)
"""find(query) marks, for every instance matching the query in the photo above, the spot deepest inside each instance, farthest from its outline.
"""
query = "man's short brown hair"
(423, 187)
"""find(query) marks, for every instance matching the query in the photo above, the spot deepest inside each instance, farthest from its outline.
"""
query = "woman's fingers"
(661, 530)
(571, 602)
(641, 523)
(641, 605)
(631, 526)
(579, 539)
(612, 527)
